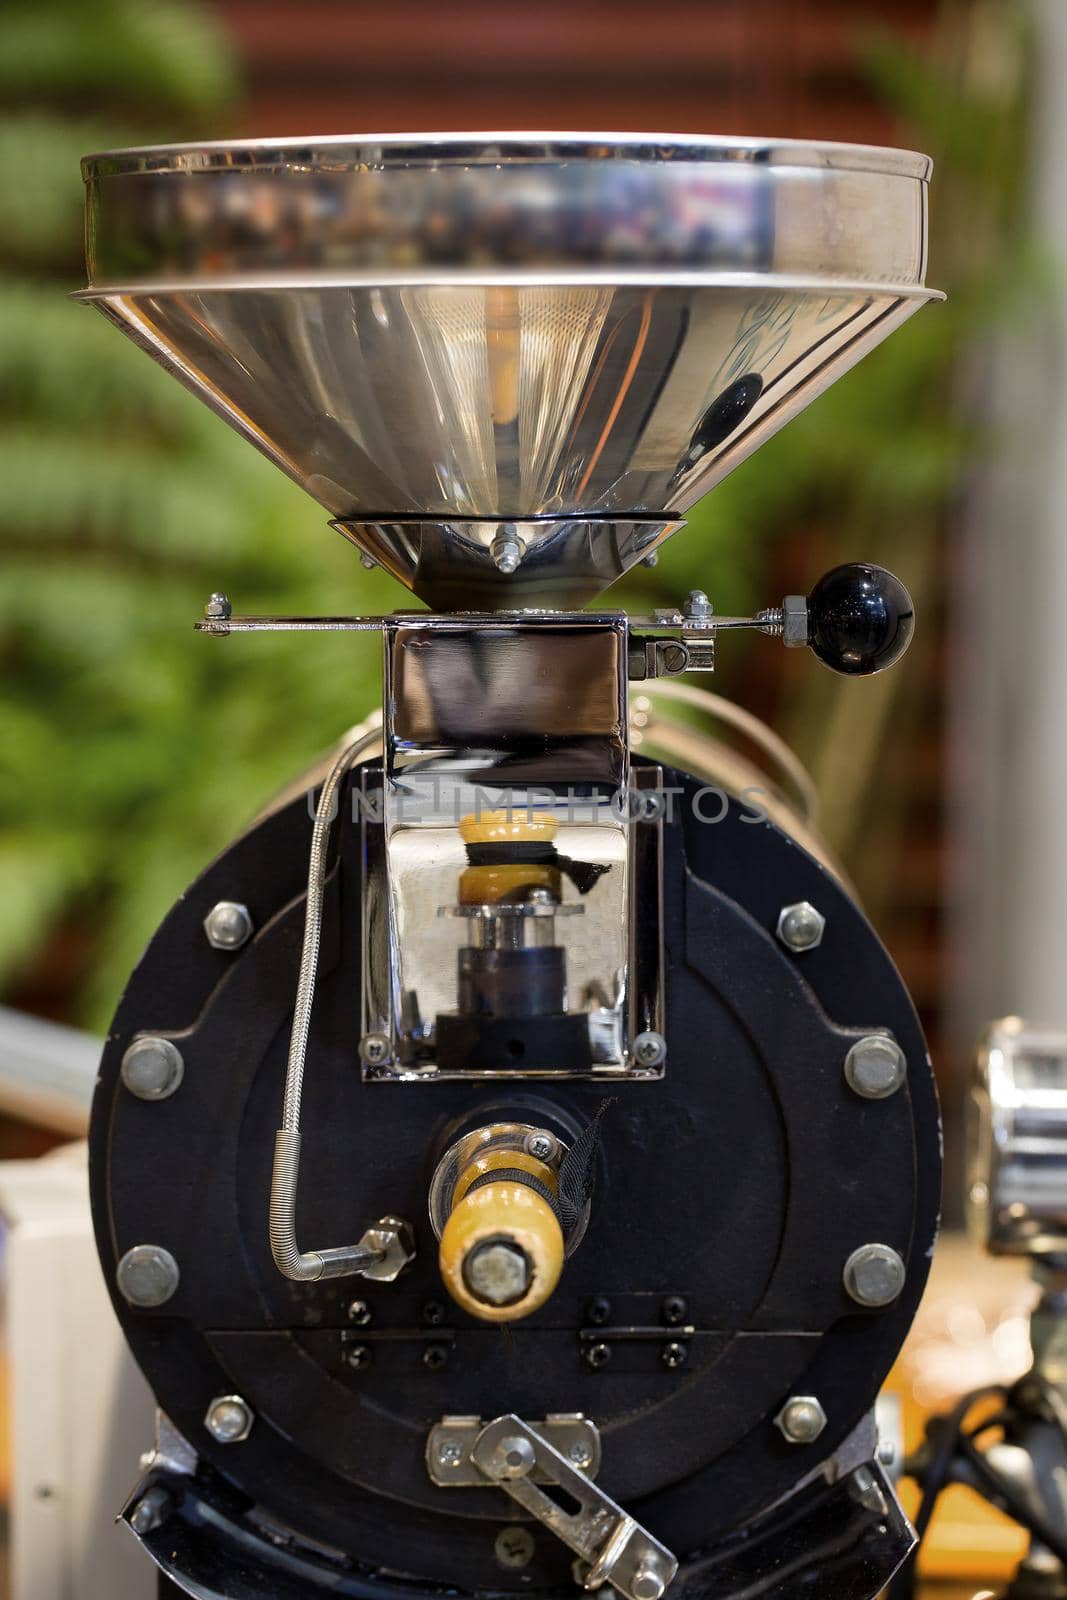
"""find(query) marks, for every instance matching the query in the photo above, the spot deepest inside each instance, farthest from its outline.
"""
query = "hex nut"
(800, 926)
(874, 1275)
(875, 1067)
(801, 1419)
(152, 1067)
(795, 621)
(228, 925)
(147, 1275)
(229, 1419)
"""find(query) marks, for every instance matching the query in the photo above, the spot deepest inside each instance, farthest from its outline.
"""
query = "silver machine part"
(1017, 1141)
(448, 392)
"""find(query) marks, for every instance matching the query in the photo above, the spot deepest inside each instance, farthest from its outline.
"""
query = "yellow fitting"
(501, 1251)
(508, 827)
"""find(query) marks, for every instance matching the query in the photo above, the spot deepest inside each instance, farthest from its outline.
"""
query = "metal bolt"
(875, 1067)
(801, 1419)
(874, 1275)
(152, 1068)
(374, 1048)
(435, 1356)
(367, 561)
(147, 1275)
(513, 1457)
(673, 656)
(497, 1272)
(647, 1582)
(514, 1547)
(650, 561)
(218, 607)
(673, 1355)
(229, 1419)
(507, 550)
(358, 1356)
(228, 925)
(359, 1312)
(151, 1511)
(800, 926)
(597, 1355)
(697, 606)
(673, 1310)
(541, 1146)
(450, 1453)
(649, 1049)
(433, 1313)
(580, 1454)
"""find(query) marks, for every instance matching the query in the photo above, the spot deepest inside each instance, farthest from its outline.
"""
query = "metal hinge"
(518, 1457)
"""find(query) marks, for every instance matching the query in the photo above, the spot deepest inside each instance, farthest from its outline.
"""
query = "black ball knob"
(860, 619)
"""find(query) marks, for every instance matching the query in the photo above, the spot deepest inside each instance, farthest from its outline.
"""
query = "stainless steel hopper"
(507, 364)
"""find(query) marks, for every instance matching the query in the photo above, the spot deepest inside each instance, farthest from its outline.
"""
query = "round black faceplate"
(738, 1184)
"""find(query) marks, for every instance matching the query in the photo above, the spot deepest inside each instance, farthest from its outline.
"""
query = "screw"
(673, 657)
(597, 1355)
(874, 1275)
(147, 1275)
(649, 1049)
(151, 1511)
(875, 1067)
(580, 1454)
(801, 1419)
(513, 1457)
(497, 1272)
(598, 1311)
(359, 1312)
(435, 1356)
(541, 1146)
(449, 1453)
(218, 607)
(650, 561)
(228, 925)
(673, 1310)
(514, 1547)
(367, 561)
(358, 1356)
(152, 1068)
(433, 1313)
(800, 926)
(647, 1582)
(229, 1419)
(674, 1355)
(374, 1048)
(507, 550)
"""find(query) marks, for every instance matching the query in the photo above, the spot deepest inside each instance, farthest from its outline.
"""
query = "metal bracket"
(611, 1546)
(451, 1441)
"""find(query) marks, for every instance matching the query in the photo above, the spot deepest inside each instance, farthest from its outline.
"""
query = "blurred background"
(131, 750)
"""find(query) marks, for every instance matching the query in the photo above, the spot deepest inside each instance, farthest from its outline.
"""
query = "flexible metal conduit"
(308, 1265)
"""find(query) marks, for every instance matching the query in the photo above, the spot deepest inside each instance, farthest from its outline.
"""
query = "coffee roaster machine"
(518, 1175)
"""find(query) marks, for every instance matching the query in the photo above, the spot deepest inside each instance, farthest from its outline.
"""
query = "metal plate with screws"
(448, 1449)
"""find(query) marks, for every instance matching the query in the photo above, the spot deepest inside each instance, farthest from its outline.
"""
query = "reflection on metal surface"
(446, 332)
(1017, 1141)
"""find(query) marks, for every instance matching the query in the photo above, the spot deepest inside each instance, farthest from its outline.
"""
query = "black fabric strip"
(518, 1175)
(536, 853)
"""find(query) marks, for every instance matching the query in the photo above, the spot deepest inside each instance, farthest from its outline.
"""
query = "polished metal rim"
(342, 151)
(475, 278)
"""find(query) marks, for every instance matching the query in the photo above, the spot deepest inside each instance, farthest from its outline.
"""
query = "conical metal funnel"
(506, 365)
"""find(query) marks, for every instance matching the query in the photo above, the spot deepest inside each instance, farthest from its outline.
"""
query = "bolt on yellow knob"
(501, 1251)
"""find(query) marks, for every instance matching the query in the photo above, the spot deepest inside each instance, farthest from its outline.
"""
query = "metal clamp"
(611, 1546)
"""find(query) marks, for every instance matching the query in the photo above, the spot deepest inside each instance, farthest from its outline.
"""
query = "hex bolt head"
(147, 1275)
(152, 1067)
(800, 926)
(228, 925)
(151, 1511)
(514, 1547)
(648, 1582)
(875, 1067)
(229, 1419)
(498, 1273)
(649, 1049)
(874, 1275)
(801, 1419)
(513, 1457)
(374, 1049)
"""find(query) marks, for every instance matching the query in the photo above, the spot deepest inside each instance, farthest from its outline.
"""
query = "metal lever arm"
(615, 1547)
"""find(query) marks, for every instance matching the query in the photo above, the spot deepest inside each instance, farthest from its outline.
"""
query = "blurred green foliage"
(131, 749)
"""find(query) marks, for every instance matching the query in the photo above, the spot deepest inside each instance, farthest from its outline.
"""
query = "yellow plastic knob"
(501, 1251)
